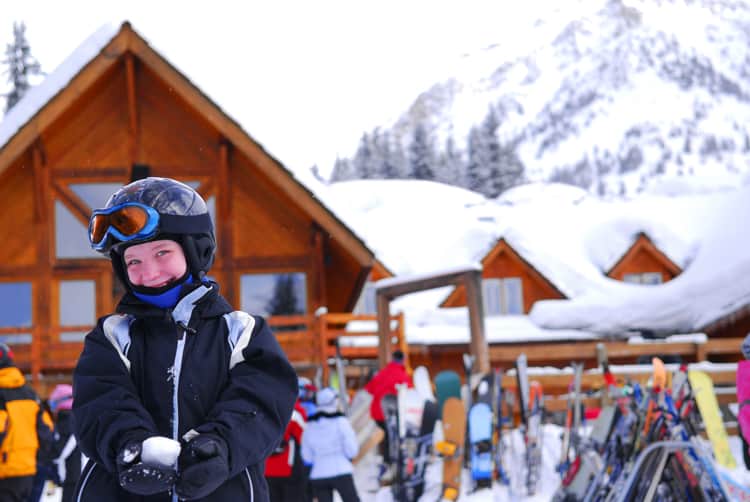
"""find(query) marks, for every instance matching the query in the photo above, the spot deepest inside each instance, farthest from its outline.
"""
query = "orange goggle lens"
(128, 220)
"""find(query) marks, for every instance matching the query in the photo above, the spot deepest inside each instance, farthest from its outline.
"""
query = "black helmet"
(6, 356)
(151, 209)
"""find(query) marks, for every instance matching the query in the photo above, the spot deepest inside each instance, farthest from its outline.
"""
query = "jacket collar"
(205, 299)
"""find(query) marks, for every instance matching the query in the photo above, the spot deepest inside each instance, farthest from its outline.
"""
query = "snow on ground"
(365, 474)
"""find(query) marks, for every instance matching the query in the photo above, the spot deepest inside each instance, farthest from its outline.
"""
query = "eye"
(163, 252)
(134, 261)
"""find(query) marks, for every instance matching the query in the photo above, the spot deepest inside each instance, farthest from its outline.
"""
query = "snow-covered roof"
(572, 238)
(38, 96)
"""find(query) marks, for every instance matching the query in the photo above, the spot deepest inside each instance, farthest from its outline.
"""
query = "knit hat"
(327, 400)
(746, 347)
(61, 397)
(6, 356)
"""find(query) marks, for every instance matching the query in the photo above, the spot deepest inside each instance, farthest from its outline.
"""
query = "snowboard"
(486, 390)
(422, 383)
(389, 404)
(451, 447)
(480, 441)
(447, 384)
(417, 453)
(703, 389)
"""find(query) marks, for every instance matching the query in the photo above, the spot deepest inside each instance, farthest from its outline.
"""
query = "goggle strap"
(179, 224)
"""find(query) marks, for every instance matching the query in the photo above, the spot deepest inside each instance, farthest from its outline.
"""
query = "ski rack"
(667, 447)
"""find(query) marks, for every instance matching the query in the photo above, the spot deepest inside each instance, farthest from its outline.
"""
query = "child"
(176, 395)
(329, 445)
(66, 453)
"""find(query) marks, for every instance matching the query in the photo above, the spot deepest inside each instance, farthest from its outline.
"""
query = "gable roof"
(643, 243)
(500, 247)
(43, 104)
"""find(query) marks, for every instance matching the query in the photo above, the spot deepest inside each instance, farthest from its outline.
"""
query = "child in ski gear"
(286, 475)
(743, 398)
(384, 382)
(329, 445)
(66, 453)
(307, 396)
(24, 429)
(175, 363)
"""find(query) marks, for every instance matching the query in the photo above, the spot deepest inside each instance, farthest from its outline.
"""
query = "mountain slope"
(610, 94)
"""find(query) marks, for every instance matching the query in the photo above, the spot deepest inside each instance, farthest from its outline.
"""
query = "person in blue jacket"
(177, 396)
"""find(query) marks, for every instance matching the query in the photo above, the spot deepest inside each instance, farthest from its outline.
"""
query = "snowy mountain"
(609, 94)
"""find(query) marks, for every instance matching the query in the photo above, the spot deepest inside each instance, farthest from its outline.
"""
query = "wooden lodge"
(126, 113)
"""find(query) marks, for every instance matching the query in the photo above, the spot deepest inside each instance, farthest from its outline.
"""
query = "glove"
(203, 466)
(140, 477)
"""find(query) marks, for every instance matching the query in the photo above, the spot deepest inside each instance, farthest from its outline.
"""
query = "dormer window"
(643, 278)
(502, 296)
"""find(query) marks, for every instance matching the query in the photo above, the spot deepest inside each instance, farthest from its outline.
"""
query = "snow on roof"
(572, 238)
(38, 96)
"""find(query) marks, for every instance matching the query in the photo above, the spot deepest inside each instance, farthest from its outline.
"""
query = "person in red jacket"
(384, 382)
(285, 473)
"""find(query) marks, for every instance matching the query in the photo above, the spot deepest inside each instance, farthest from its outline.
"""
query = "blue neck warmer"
(164, 299)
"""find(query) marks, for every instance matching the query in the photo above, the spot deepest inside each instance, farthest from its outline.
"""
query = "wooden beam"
(224, 220)
(81, 211)
(472, 281)
(133, 135)
(319, 267)
(42, 285)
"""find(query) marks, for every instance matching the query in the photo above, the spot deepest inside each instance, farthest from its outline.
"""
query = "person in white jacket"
(329, 445)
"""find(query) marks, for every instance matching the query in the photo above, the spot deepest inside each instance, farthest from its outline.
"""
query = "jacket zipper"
(176, 370)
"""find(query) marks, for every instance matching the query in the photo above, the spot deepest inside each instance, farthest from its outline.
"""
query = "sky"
(305, 79)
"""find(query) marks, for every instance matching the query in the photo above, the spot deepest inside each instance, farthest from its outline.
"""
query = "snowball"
(161, 451)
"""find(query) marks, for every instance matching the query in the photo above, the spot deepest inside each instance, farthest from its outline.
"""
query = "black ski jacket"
(148, 371)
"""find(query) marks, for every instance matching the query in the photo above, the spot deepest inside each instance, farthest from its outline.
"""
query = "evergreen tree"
(364, 159)
(284, 300)
(421, 154)
(449, 168)
(342, 170)
(493, 167)
(390, 156)
(21, 65)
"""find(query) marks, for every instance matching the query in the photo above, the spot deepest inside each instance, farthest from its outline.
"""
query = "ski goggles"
(125, 222)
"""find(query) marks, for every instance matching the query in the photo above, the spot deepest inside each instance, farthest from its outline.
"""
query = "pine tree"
(421, 154)
(363, 162)
(342, 170)
(284, 300)
(450, 168)
(21, 65)
(493, 167)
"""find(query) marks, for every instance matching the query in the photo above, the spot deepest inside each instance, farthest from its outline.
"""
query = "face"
(155, 264)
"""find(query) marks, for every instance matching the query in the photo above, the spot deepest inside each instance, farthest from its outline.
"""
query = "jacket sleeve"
(306, 451)
(106, 408)
(253, 410)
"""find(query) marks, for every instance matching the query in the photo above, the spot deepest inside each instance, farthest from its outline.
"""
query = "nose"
(148, 272)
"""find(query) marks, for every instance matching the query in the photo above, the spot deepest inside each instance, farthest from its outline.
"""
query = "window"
(16, 305)
(643, 278)
(71, 236)
(367, 303)
(77, 307)
(273, 294)
(502, 296)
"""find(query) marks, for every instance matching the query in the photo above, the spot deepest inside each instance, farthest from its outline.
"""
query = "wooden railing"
(310, 341)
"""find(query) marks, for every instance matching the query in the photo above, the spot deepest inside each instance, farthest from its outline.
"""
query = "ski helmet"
(151, 209)
(61, 397)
